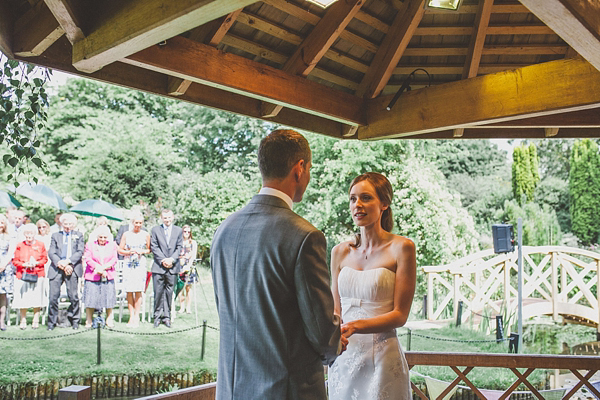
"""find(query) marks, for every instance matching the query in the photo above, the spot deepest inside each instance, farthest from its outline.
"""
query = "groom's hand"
(344, 341)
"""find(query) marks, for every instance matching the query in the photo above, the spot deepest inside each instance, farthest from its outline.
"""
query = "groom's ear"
(298, 170)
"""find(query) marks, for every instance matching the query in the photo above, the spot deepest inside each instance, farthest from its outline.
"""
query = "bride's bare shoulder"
(342, 249)
(403, 244)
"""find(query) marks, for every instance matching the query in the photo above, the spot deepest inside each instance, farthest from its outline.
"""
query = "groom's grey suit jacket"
(275, 306)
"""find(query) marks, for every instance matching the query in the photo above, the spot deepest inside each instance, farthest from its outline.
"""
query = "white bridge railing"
(556, 281)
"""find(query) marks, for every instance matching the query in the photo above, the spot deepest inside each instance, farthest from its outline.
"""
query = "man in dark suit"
(277, 322)
(66, 251)
(166, 242)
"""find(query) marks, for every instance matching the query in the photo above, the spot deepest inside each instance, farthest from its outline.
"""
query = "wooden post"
(456, 279)
(430, 296)
(75, 393)
(554, 287)
(563, 284)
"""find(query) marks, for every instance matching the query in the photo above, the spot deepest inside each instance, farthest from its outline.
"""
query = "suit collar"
(277, 193)
(269, 200)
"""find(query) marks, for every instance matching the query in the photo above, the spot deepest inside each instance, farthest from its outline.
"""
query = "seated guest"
(6, 269)
(66, 251)
(29, 260)
(99, 289)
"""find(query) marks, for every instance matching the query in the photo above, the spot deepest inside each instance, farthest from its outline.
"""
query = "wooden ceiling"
(495, 69)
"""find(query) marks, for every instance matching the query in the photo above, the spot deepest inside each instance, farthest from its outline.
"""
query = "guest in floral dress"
(6, 270)
(188, 273)
(135, 244)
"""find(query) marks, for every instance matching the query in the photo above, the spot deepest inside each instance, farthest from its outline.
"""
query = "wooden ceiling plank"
(294, 10)
(6, 30)
(317, 43)
(577, 22)
(59, 57)
(210, 33)
(142, 23)
(528, 29)
(508, 49)
(389, 53)
(33, 42)
(66, 16)
(204, 64)
(269, 28)
(536, 90)
(455, 69)
(482, 20)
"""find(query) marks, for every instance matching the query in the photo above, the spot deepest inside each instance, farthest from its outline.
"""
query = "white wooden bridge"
(557, 281)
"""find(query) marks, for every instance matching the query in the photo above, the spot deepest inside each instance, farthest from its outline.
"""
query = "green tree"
(468, 157)
(540, 224)
(525, 172)
(584, 189)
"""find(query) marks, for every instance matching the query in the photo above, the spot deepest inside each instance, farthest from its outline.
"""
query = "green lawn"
(76, 355)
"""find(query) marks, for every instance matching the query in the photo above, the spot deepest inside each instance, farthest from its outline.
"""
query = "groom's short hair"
(279, 151)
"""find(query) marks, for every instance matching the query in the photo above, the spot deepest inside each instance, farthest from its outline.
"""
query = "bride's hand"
(348, 329)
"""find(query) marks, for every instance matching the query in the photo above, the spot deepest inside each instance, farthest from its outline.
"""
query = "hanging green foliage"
(23, 104)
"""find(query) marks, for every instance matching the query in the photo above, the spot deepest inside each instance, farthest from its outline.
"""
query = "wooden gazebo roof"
(497, 68)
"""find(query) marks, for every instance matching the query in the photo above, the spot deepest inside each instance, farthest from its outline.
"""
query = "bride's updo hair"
(384, 191)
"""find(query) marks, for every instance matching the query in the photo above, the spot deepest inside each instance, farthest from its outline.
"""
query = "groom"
(272, 286)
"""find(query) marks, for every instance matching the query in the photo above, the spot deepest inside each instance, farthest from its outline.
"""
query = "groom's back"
(257, 258)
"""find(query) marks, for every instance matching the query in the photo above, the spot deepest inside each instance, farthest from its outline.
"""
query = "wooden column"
(554, 287)
(598, 296)
(430, 296)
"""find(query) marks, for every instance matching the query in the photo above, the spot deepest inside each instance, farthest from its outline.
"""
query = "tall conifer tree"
(584, 188)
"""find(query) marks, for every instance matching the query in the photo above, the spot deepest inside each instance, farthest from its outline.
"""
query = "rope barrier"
(112, 330)
(458, 340)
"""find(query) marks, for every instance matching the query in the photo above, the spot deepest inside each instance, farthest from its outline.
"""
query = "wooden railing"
(462, 364)
(556, 281)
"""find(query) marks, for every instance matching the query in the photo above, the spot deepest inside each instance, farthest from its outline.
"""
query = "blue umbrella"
(98, 208)
(6, 200)
(41, 193)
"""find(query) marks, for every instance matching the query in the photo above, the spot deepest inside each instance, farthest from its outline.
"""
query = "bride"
(374, 280)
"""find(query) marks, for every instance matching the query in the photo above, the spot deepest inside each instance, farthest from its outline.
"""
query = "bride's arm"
(404, 290)
(336, 257)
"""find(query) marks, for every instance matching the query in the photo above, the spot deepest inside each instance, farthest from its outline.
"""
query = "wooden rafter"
(204, 64)
(577, 22)
(33, 42)
(389, 53)
(59, 57)
(567, 85)
(139, 24)
(482, 20)
(66, 16)
(210, 33)
(317, 43)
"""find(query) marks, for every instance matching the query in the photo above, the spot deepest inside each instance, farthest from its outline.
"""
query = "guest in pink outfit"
(99, 289)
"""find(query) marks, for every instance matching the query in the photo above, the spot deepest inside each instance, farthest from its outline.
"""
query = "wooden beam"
(139, 24)
(510, 133)
(6, 30)
(507, 49)
(536, 90)
(317, 43)
(35, 31)
(59, 57)
(389, 53)
(577, 22)
(68, 19)
(204, 64)
(454, 69)
(525, 29)
(210, 33)
(482, 20)
(575, 119)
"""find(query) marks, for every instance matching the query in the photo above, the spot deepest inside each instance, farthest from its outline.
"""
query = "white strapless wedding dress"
(373, 367)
